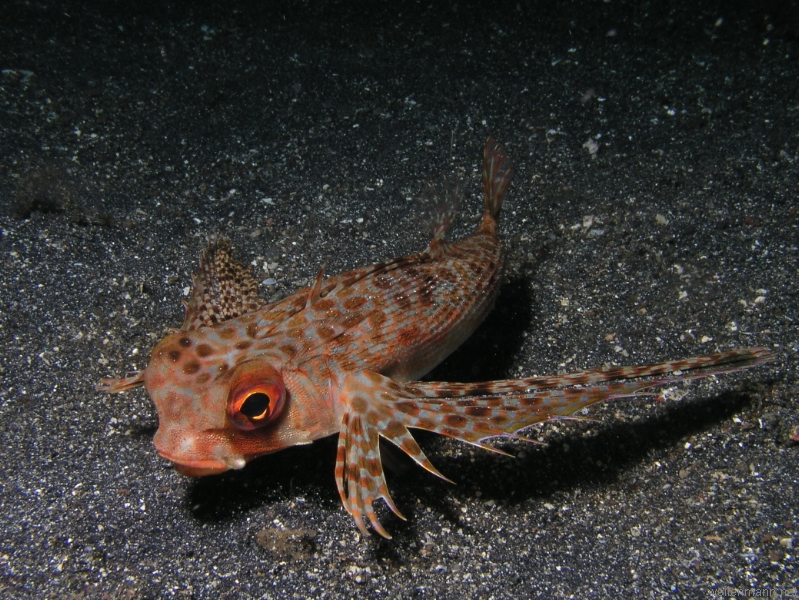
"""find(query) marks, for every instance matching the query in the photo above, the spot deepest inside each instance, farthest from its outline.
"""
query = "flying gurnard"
(243, 378)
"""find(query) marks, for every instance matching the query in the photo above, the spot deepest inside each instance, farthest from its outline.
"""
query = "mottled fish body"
(243, 378)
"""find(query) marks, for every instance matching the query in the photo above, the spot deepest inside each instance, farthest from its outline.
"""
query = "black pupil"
(255, 405)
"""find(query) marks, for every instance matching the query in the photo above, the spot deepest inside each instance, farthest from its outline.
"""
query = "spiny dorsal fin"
(315, 292)
(223, 289)
(442, 204)
(497, 173)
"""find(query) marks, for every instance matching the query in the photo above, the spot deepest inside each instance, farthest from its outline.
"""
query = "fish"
(243, 378)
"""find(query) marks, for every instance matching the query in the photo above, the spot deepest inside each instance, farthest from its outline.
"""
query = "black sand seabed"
(653, 216)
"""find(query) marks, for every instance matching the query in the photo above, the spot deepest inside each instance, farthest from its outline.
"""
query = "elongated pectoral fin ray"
(473, 412)
(689, 368)
(359, 473)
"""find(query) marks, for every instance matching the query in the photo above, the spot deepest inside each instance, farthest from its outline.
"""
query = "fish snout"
(197, 454)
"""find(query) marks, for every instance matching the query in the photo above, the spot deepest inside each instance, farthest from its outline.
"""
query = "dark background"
(652, 216)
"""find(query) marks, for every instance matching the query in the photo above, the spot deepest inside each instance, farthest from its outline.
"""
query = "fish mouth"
(202, 468)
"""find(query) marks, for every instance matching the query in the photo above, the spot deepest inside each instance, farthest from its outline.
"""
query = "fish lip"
(200, 468)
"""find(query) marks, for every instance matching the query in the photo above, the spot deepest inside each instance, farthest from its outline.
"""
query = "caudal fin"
(497, 173)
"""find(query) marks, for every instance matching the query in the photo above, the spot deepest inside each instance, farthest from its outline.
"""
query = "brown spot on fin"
(223, 289)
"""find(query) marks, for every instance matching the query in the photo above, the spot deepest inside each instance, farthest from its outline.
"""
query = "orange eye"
(255, 402)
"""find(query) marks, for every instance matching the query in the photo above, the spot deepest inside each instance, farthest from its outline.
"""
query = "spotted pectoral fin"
(368, 399)
(473, 412)
(223, 289)
(377, 406)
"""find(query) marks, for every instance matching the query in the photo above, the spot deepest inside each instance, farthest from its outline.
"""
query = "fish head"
(220, 403)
